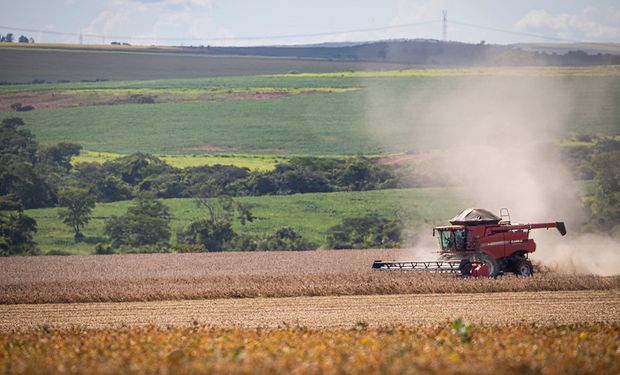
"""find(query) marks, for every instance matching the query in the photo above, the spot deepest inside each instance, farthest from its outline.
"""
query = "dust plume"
(496, 139)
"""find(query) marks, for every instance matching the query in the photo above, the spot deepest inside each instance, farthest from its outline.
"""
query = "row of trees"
(10, 38)
(145, 227)
(33, 176)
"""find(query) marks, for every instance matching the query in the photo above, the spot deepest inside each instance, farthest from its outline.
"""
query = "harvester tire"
(522, 267)
(491, 263)
(465, 267)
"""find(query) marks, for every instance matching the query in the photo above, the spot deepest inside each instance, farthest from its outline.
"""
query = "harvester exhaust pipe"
(561, 227)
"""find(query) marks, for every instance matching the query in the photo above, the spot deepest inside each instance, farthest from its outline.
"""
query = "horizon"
(239, 23)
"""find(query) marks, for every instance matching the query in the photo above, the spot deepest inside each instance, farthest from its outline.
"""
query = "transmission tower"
(444, 25)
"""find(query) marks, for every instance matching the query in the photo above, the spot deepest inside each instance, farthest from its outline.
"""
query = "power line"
(515, 32)
(443, 20)
(288, 36)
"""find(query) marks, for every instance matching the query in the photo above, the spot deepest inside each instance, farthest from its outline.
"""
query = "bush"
(365, 232)
(284, 238)
(16, 231)
(58, 252)
(146, 223)
(146, 249)
(101, 249)
(182, 248)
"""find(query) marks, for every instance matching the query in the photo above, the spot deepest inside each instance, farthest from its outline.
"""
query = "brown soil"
(155, 277)
(542, 308)
(53, 100)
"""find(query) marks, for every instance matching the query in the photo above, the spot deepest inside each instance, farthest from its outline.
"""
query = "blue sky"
(227, 22)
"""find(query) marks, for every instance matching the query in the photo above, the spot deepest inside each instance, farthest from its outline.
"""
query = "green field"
(310, 214)
(384, 115)
(251, 162)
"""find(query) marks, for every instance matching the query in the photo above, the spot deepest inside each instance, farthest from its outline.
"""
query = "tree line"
(35, 176)
(10, 38)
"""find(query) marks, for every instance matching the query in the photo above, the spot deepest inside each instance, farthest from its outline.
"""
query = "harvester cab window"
(459, 239)
(445, 239)
(452, 239)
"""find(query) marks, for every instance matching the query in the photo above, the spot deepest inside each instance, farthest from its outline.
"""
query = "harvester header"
(479, 243)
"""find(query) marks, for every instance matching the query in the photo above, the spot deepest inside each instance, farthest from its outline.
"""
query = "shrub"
(57, 252)
(284, 238)
(101, 249)
(365, 232)
(182, 248)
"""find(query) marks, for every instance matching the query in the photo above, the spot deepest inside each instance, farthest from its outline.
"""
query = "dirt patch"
(262, 95)
(66, 99)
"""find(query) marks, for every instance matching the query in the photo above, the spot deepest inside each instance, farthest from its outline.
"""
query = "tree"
(365, 232)
(145, 223)
(215, 231)
(16, 231)
(8, 38)
(78, 205)
(284, 238)
(20, 185)
(60, 154)
(23, 39)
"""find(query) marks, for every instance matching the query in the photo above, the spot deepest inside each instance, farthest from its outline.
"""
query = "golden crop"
(155, 277)
(450, 347)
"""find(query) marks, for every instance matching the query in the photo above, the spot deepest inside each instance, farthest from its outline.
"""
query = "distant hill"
(434, 52)
(562, 48)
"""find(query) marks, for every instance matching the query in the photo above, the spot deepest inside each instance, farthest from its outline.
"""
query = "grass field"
(442, 348)
(337, 123)
(310, 214)
(252, 162)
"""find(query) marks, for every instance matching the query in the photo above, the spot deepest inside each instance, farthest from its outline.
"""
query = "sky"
(281, 22)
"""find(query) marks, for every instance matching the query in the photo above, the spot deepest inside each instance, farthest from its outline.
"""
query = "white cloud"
(154, 21)
(591, 24)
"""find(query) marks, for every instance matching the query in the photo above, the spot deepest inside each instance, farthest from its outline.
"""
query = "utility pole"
(444, 25)
(81, 38)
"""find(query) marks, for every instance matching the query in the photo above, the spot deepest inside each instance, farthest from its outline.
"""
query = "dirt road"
(345, 311)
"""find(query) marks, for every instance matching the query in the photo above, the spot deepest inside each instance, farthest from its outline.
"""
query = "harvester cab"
(479, 243)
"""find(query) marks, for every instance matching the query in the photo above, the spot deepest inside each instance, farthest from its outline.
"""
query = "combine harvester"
(478, 243)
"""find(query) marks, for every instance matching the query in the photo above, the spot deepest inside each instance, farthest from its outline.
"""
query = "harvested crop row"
(543, 308)
(449, 347)
(233, 275)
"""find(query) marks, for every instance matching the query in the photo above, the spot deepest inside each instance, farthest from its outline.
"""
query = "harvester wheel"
(522, 267)
(465, 267)
(491, 264)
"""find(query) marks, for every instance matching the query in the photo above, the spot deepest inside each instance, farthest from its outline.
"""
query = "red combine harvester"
(478, 243)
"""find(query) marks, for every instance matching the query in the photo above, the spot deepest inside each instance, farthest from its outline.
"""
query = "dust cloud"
(495, 138)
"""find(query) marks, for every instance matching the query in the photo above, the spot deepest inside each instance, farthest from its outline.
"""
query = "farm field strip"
(67, 98)
(444, 348)
(542, 308)
(157, 277)
(338, 122)
(252, 162)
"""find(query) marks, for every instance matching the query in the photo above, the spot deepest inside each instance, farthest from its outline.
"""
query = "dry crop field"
(178, 313)
(450, 347)
(153, 277)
